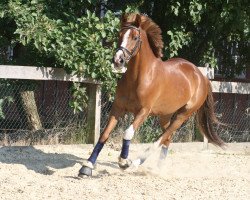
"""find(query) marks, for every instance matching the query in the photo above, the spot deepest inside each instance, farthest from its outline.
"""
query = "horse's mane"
(152, 30)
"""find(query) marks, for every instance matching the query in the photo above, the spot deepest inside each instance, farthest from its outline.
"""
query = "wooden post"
(94, 113)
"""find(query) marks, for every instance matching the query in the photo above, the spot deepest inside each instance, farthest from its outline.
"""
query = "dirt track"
(50, 172)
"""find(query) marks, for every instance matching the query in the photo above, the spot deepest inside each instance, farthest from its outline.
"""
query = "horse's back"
(184, 68)
(180, 63)
(180, 80)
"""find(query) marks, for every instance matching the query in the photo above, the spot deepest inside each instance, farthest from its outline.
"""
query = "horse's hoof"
(85, 171)
(124, 163)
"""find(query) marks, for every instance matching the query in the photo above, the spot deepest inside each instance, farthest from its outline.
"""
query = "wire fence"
(38, 113)
(234, 112)
(47, 118)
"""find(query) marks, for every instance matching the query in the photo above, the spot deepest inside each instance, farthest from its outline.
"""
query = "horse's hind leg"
(169, 127)
(164, 141)
(113, 119)
(180, 117)
(164, 122)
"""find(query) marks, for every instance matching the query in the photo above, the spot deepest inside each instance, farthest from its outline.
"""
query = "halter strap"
(138, 44)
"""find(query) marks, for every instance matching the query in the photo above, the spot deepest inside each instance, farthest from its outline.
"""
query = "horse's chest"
(130, 102)
(129, 95)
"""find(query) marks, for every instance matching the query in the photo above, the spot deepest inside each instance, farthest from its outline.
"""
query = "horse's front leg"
(88, 165)
(140, 117)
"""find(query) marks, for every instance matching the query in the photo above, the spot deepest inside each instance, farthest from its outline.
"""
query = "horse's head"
(129, 42)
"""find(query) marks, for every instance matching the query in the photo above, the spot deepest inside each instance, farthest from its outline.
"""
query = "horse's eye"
(136, 38)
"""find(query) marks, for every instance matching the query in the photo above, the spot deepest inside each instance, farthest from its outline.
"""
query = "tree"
(77, 38)
(72, 36)
(214, 32)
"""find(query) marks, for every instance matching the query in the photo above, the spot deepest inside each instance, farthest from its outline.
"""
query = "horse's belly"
(168, 106)
(163, 110)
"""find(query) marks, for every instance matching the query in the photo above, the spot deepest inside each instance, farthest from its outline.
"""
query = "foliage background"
(81, 37)
(77, 37)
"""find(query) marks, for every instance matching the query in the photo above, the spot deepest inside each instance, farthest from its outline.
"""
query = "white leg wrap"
(129, 133)
(87, 163)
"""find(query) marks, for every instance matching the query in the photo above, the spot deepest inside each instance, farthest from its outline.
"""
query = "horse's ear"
(138, 20)
(124, 17)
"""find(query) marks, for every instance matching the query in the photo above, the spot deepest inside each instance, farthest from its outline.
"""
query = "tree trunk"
(30, 110)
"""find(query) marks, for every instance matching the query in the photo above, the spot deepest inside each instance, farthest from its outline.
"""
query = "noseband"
(137, 45)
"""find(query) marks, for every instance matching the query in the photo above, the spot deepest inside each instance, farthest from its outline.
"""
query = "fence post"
(94, 113)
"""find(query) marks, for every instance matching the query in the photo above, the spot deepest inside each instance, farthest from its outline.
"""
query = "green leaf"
(2, 13)
(93, 75)
(103, 34)
(199, 7)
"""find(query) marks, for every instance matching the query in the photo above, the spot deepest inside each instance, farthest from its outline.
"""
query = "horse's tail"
(206, 118)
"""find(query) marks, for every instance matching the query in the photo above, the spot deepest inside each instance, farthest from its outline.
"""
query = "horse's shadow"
(37, 160)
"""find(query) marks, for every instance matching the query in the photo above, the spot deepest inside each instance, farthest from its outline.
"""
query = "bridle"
(137, 45)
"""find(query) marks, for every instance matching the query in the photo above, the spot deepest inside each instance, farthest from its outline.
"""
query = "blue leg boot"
(88, 166)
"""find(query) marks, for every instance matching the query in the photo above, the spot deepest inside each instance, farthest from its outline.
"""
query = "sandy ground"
(50, 172)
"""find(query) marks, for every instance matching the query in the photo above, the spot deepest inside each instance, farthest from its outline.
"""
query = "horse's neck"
(141, 65)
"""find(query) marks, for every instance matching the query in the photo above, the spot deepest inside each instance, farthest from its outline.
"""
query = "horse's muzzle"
(119, 62)
(118, 66)
(119, 59)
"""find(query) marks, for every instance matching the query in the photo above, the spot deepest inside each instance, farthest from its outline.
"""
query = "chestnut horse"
(173, 90)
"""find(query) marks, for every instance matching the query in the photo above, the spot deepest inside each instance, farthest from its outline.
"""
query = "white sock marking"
(129, 133)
